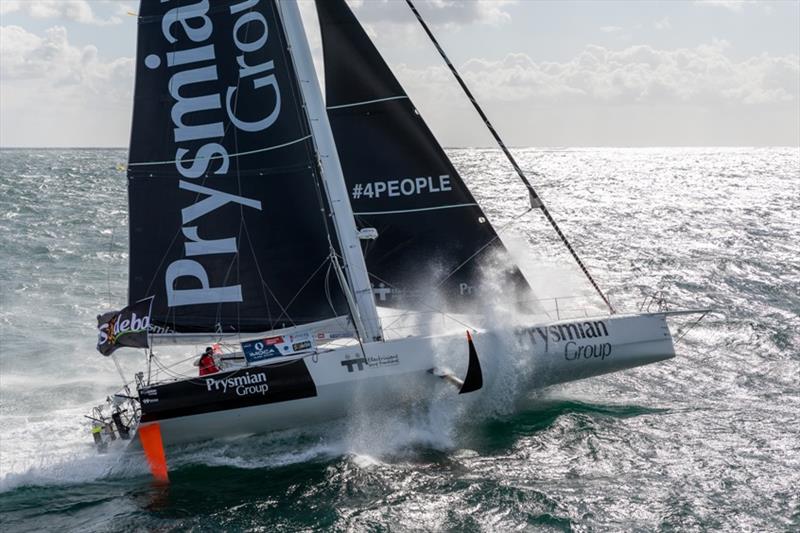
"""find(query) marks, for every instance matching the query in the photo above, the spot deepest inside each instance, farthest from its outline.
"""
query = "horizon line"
(476, 147)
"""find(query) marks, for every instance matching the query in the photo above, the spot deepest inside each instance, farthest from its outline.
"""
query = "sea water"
(708, 440)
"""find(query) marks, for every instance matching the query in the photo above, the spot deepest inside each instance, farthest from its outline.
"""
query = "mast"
(331, 170)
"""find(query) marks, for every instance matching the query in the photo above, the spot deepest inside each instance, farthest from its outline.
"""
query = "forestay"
(227, 219)
(431, 232)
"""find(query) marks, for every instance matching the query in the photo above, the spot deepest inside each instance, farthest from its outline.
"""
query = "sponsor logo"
(322, 335)
(375, 361)
(568, 332)
(202, 117)
(574, 351)
(572, 334)
(357, 363)
(383, 293)
(118, 326)
(402, 187)
(241, 385)
(259, 350)
(466, 289)
(158, 329)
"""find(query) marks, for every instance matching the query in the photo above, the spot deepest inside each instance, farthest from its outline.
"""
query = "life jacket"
(207, 365)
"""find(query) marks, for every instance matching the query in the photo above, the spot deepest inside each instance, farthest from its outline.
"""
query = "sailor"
(207, 363)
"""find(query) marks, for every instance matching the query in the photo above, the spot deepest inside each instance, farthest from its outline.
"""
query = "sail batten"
(419, 210)
(365, 102)
(228, 156)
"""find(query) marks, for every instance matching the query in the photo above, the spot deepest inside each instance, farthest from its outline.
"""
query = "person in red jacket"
(207, 363)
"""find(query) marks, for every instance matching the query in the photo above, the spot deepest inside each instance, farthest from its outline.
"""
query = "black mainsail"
(228, 223)
(432, 233)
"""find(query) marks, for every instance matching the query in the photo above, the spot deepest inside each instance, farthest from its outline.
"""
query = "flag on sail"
(128, 327)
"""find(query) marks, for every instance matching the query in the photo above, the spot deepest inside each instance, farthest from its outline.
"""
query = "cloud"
(737, 6)
(52, 59)
(639, 74)
(437, 12)
(50, 87)
(610, 29)
(72, 10)
(662, 24)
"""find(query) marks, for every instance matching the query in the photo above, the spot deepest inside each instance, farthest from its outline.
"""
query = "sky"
(548, 73)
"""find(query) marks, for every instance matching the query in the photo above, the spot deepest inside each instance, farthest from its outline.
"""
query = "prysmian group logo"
(209, 102)
(241, 385)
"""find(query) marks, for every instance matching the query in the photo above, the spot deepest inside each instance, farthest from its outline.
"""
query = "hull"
(397, 374)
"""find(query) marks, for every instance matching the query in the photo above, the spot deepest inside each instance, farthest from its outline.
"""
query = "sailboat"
(277, 227)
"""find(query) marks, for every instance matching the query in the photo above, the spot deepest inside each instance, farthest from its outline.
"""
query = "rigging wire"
(536, 201)
(110, 257)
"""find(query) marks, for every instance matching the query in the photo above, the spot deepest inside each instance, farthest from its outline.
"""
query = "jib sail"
(227, 219)
(432, 233)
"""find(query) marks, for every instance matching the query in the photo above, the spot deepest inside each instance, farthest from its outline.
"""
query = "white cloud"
(50, 88)
(640, 74)
(736, 6)
(610, 29)
(663, 24)
(72, 10)
(438, 12)
(57, 63)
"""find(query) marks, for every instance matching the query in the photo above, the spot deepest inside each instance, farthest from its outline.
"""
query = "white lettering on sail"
(247, 71)
(202, 160)
(200, 246)
(215, 200)
(197, 115)
(265, 122)
(183, 14)
(402, 187)
(194, 104)
(192, 55)
(206, 295)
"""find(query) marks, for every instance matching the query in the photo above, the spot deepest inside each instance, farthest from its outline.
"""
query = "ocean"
(709, 440)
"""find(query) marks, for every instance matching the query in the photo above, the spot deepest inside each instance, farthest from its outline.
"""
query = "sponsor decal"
(300, 346)
(332, 335)
(241, 385)
(269, 384)
(402, 187)
(568, 332)
(128, 327)
(354, 363)
(261, 349)
(376, 361)
(383, 293)
(203, 113)
(574, 335)
(466, 289)
(574, 351)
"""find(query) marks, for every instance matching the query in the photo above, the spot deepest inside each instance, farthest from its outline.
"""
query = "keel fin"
(150, 435)
(474, 378)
